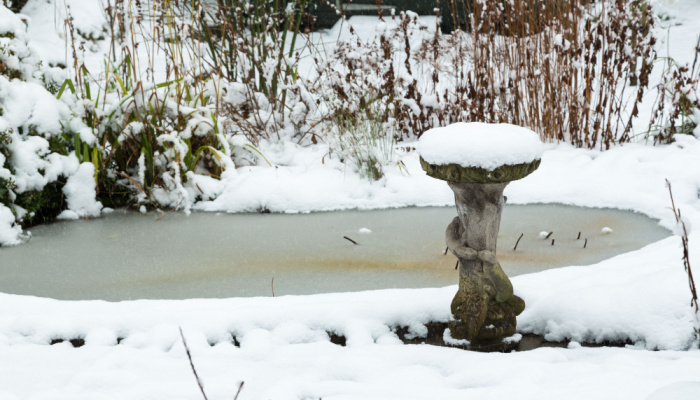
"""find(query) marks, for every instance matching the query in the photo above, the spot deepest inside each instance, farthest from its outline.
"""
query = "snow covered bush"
(35, 138)
(254, 47)
(561, 69)
(157, 143)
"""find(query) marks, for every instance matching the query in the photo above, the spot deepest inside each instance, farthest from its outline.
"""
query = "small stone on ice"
(142, 209)
(365, 230)
(606, 231)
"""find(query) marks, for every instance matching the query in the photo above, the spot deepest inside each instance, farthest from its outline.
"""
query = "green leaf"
(68, 83)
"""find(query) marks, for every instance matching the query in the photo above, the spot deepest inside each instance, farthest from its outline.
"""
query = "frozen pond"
(126, 255)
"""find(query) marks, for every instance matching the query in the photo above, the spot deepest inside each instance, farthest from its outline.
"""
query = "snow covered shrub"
(677, 108)
(559, 68)
(563, 71)
(36, 132)
(253, 46)
(154, 143)
(17, 61)
(376, 93)
(160, 143)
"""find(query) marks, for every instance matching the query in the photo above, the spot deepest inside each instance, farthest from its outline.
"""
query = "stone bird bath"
(478, 160)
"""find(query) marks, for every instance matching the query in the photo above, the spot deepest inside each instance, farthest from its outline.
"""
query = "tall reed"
(677, 105)
(573, 71)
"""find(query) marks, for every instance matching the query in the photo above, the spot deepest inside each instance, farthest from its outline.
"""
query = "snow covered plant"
(366, 89)
(40, 177)
(563, 68)
(255, 47)
(677, 107)
(158, 143)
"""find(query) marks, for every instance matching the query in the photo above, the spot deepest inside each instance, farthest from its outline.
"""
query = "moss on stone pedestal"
(459, 174)
(482, 312)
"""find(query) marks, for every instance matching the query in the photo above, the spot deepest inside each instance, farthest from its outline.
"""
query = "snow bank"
(641, 297)
(477, 144)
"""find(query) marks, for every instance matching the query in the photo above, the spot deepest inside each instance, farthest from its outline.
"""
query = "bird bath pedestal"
(478, 160)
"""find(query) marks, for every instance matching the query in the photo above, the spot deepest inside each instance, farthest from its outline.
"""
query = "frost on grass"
(477, 144)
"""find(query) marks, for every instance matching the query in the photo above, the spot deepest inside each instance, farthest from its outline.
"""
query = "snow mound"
(9, 232)
(477, 144)
(80, 191)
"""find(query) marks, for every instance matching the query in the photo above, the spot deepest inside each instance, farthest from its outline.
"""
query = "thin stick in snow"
(686, 253)
(194, 371)
(518, 241)
(240, 387)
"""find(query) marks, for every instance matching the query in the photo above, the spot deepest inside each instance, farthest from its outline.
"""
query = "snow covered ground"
(285, 351)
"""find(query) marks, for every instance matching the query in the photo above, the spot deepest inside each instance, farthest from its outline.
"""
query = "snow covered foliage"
(255, 49)
(677, 108)
(34, 125)
(561, 71)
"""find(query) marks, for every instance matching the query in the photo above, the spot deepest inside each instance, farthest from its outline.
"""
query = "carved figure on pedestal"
(484, 309)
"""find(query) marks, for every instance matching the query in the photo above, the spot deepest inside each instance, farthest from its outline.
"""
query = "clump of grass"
(677, 100)
(366, 142)
(255, 48)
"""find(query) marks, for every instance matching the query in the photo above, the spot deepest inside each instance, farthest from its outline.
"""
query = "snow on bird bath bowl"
(476, 152)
